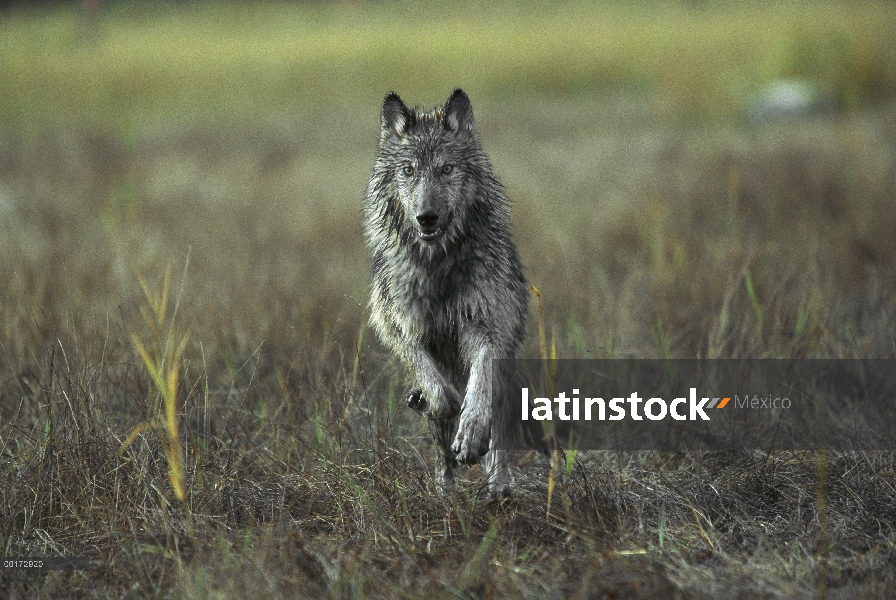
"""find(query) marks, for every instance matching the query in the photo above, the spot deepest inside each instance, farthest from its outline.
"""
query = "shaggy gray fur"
(448, 292)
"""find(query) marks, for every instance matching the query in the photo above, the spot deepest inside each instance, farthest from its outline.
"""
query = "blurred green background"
(233, 60)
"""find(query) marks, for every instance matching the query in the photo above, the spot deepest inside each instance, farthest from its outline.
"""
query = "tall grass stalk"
(162, 359)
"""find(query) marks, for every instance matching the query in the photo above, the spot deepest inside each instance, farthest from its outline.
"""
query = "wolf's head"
(432, 171)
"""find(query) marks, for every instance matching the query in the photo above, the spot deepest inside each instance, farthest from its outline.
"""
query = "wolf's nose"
(428, 219)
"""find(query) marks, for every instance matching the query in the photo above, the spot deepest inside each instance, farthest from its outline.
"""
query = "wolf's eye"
(447, 169)
(408, 170)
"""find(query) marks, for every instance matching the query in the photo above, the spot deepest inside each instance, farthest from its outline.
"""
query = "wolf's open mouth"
(430, 234)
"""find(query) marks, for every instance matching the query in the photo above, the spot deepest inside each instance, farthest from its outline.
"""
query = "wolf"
(448, 293)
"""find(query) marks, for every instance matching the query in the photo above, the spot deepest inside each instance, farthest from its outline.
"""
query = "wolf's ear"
(458, 113)
(396, 117)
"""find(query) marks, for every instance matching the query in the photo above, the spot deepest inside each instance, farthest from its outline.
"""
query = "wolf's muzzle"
(430, 229)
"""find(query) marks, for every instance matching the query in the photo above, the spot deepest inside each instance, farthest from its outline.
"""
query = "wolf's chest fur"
(437, 300)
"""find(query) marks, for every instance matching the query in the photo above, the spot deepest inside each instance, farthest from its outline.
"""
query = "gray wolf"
(448, 293)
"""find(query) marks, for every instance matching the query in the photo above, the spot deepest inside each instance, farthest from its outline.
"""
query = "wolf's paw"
(415, 400)
(472, 439)
(440, 403)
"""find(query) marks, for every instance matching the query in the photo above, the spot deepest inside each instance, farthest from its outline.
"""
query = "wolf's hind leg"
(442, 431)
(500, 482)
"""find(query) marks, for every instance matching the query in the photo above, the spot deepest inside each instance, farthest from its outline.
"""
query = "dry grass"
(305, 477)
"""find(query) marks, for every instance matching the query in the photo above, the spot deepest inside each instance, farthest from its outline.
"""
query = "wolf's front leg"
(436, 397)
(439, 401)
(474, 430)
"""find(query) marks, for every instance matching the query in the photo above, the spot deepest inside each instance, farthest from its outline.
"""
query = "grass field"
(231, 145)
